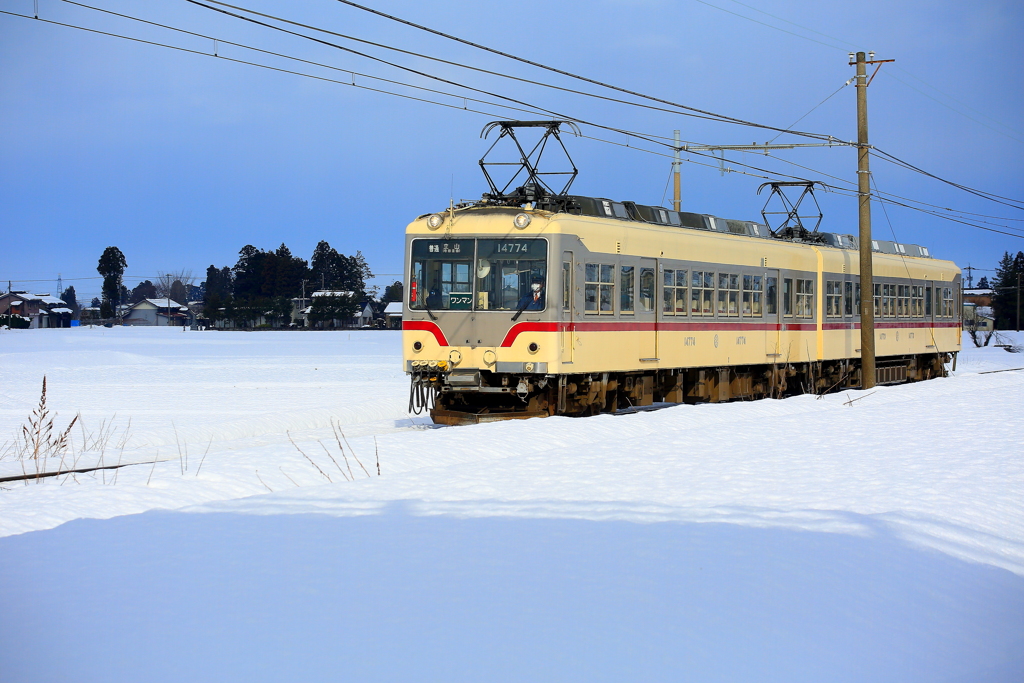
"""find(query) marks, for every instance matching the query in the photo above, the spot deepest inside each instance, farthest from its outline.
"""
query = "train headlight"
(435, 221)
(521, 220)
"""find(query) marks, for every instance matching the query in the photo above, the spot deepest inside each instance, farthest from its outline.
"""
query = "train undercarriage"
(457, 397)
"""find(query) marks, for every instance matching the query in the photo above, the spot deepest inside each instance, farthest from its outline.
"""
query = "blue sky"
(180, 159)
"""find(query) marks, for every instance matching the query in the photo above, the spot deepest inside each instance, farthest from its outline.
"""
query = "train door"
(647, 310)
(772, 304)
(568, 307)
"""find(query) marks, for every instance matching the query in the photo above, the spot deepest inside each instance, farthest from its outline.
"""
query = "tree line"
(261, 284)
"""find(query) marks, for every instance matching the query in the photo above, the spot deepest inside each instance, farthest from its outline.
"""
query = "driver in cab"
(534, 299)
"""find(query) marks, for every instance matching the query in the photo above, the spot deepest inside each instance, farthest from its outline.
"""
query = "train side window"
(848, 299)
(856, 299)
(833, 299)
(674, 292)
(591, 285)
(878, 300)
(752, 285)
(647, 298)
(903, 302)
(917, 301)
(947, 302)
(702, 292)
(627, 281)
(787, 297)
(599, 288)
(566, 285)
(889, 301)
(681, 292)
(668, 283)
(928, 301)
(771, 294)
(728, 294)
(805, 298)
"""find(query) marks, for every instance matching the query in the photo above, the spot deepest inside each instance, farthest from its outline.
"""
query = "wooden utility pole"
(677, 195)
(867, 288)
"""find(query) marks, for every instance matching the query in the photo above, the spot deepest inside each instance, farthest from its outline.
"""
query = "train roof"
(659, 215)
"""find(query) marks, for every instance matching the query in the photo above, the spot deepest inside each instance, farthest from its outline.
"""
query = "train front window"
(511, 274)
(440, 278)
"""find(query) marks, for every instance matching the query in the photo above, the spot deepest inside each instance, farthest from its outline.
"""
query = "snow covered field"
(860, 536)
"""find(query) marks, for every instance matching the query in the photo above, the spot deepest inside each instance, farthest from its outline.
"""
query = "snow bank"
(936, 462)
(860, 536)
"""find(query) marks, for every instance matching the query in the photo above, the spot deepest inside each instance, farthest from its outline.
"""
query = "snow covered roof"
(977, 291)
(161, 303)
(325, 292)
(61, 309)
(393, 307)
(17, 303)
(47, 299)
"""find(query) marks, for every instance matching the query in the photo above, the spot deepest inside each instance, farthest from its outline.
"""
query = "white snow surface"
(930, 474)
(938, 462)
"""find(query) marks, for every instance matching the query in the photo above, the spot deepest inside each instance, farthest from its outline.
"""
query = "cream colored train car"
(640, 304)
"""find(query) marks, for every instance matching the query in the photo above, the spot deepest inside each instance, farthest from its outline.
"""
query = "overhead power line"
(569, 74)
(772, 174)
(850, 46)
(980, 193)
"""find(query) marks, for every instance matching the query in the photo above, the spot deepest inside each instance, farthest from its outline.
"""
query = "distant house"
(978, 318)
(41, 310)
(979, 296)
(365, 315)
(393, 315)
(157, 312)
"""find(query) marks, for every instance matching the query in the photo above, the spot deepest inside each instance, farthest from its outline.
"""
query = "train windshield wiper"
(429, 312)
(520, 311)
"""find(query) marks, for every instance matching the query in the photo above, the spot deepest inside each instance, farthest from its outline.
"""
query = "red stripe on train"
(721, 326)
(426, 326)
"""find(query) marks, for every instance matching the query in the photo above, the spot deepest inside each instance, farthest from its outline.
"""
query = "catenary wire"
(637, 94)
(431, 76)
(851, 46)
(464, 108)
(412, 54)
(569, 74)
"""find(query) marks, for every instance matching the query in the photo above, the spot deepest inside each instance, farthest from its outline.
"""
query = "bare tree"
(166, 281)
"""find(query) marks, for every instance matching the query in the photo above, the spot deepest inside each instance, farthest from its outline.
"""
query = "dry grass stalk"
(342, 451)
(351, 449)
(204, 456)
(289, 478)
(332, 458)
(324, 474)
(263, 482)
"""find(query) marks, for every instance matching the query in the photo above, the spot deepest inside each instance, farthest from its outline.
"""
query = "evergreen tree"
(393, 292)
(983, 283)
(330, 310)
(326, 266)
(1007, 300)
(111, 266)
(333, 271)
(72, 301)
(219, 283)
(144, 290)
(178, 293)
